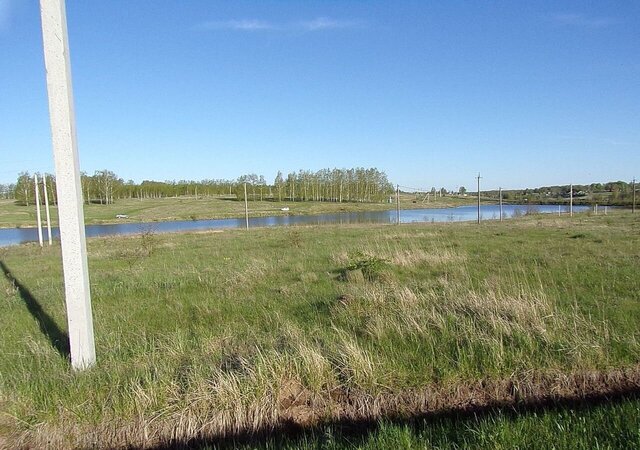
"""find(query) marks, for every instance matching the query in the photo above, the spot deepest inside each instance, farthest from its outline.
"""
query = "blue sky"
(430, 92)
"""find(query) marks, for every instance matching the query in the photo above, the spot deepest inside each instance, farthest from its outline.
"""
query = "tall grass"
(211, 334)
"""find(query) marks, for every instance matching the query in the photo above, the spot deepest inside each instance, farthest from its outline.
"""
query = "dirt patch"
(296, 404)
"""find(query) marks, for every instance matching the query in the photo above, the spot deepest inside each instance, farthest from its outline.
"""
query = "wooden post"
(38, 217)
(68, 186)
(246, 207)
(46, 206)
(500, 204)
(478, 198)
(571, 200)
(398, 204)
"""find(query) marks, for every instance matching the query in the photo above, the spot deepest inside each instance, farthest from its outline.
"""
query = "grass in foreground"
(202, 334)
(580, 426)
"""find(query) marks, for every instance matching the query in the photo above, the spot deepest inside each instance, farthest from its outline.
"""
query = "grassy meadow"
(208, 334)
(580, 426)
(191, 208)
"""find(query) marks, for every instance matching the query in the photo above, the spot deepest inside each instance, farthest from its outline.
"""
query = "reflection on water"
(12, 236)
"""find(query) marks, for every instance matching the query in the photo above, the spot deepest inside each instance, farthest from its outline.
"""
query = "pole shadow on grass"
(57, 337)
(355, 432)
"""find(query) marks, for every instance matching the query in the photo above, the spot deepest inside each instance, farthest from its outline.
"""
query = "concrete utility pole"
(500, 190)
(398, 204)
(633, 189)
(246, 207)
(68, 187)
(46, 206)
(38, 217)
(571, 200)
(478, 197)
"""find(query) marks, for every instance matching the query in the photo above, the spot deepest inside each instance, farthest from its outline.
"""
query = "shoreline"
(279, 213)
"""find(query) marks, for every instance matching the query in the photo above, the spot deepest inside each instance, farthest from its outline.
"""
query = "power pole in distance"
(38, 216)
(633, 188)
(478, 198)
(500, 189)
(46, 205)
(571, 200)
(70, 211)
(397, 204)
(246, 207)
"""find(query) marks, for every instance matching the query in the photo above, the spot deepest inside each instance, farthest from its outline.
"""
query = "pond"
(14, 236)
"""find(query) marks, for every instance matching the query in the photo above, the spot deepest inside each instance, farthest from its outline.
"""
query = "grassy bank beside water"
(206, 334)
(189, 208)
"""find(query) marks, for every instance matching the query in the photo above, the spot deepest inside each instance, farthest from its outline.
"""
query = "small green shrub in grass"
(370, 266)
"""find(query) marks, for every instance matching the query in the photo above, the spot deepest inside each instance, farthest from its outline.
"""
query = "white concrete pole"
(46, 206)
(633, 201)
(571, 200)
(397, 204)
(500, 204)
(479, 198)
(246, 207)
(38, 216)
(68, 186)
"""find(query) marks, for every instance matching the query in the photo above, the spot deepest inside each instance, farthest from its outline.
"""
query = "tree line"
(611, 193)
(326, 185)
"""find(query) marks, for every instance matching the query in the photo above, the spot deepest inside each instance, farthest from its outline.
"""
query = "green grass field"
(581, 426)
(189, 208)
(209, 333)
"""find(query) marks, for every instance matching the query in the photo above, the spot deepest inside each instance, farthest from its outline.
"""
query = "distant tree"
(291, 185)
(24, 188)
(462, 190)
(106, 182)
(279, 185)
(261, 184)
(8, 191)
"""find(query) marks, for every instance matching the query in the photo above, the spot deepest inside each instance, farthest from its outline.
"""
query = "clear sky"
(431, 92)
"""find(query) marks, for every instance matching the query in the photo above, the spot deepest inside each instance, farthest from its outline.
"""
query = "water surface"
(14, 236)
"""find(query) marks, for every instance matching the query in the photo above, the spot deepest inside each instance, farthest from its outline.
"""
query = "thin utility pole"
(478, 197)
(571, 200)
(398, 204)
(46, 203)
(500, 189)
(38, 217)
(633, 188)
(70, 211)
(246, 207)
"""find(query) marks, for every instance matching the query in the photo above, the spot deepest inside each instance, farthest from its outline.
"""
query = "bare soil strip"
(296, 410)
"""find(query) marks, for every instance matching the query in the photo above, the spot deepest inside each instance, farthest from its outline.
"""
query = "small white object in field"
(121, 216)
(286, 208)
